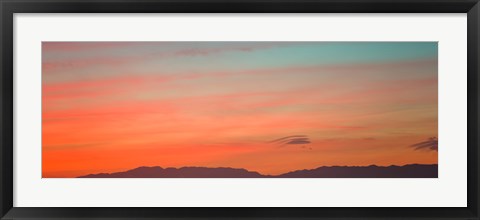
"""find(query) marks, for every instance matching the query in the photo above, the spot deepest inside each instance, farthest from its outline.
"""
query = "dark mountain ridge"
(183, 172)
(372, 171)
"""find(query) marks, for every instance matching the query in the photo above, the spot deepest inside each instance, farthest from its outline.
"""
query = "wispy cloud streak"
(292, 140)
(430, 144)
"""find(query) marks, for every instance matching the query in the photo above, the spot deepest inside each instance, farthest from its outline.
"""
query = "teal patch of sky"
(283, 54)
(302, 54)
(254, 82)
(343, 53)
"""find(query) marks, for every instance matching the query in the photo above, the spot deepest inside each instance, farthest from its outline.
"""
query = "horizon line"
(251, 171)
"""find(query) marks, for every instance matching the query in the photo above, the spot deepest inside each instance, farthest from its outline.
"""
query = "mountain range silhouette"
(372, 171)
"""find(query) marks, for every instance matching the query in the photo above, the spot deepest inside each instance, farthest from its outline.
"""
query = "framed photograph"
(354, 109)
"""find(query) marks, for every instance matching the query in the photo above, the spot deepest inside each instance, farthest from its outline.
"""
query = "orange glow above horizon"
(110, 107)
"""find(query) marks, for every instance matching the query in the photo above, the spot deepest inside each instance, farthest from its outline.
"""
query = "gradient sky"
(270, 107)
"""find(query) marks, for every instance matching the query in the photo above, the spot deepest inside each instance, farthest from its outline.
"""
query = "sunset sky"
(270, 107)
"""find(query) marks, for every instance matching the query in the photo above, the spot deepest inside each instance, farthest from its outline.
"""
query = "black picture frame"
(10, 7)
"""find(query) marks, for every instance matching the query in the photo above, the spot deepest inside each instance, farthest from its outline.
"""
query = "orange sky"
(114, 106)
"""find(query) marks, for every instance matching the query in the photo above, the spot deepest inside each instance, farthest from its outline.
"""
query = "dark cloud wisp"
(292, 140)
(288, 138)
(298, 141)
(430, 144)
